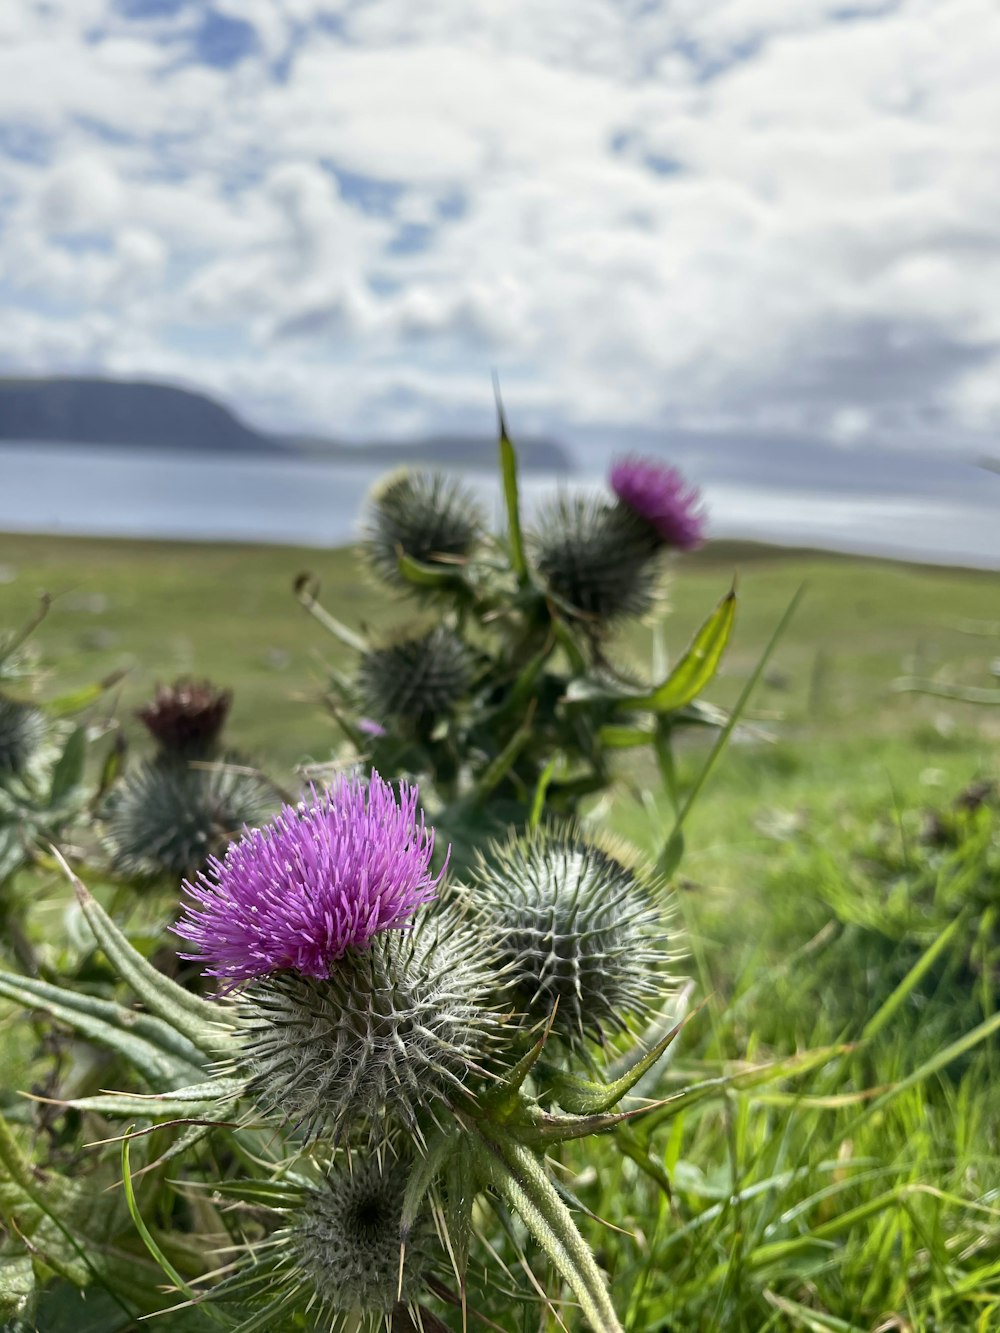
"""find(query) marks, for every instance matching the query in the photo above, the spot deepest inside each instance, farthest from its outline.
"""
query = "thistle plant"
(521, 699)
(165, 815)
(432, 973)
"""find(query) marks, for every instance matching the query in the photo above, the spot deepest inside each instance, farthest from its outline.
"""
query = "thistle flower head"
(661, 497)
(595, 557)
(346, 1241)
(431, 517)
(391, 1036)
(186, 717)
(166, 817)
(416, 679)
(321, 879)
(578, 932)
(340, 1261)
(22, 730)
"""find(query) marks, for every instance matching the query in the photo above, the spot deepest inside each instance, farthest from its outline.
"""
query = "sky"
(774, 218)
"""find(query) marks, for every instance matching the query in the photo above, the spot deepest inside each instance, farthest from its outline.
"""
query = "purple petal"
(317, 881)
(661, 496)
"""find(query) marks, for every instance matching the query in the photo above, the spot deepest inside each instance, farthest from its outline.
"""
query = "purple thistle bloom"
(369, 727)
(317, 881)
(662, 498)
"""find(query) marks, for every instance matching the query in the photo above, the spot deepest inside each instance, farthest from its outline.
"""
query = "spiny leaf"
(508, 470)
(585, 1097)
(75, 700)
(198, 1020)
(696, 668)
(110, 1025)
(68, 772)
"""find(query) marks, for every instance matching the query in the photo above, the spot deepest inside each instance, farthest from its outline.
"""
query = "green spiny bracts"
(166, 815)
(597, 559)
(346, 1243)
(579, 933)
(415, 680)
(22, 730)
(396, 1033)
(339, 1261)
(185, 718)
(429, 516)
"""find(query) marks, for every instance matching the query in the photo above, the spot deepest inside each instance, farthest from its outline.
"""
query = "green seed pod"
(395, 1034)
(186, 717)
(22, 730)
(579, 934)
(166, 816)
(597, 558)
(415, 680)
(431, 517)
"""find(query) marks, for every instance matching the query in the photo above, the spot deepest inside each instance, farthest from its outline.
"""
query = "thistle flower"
(429, 516)
(22, 730)
(321, 879)
(577, 932)
(417, 679)
(186, 717)
(595, 557)
(661, 497)
(392, 1036)
(166, 817)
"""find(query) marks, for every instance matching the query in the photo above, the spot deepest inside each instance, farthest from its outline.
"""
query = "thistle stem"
(519, 1175)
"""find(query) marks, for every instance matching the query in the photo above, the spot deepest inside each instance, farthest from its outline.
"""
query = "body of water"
(947, 513)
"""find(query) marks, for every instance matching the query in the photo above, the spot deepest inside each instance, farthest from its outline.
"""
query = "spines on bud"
(22, 730)
(166, 817)
(598, 559)
(396, 1033)
(580, 935)
(429, 516)
(417, 679)
(346, 1241)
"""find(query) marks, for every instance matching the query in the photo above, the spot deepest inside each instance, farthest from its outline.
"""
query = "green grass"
(863, 1194)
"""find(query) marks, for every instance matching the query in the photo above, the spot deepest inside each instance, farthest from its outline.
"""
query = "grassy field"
(828, 721)
(860, 1197)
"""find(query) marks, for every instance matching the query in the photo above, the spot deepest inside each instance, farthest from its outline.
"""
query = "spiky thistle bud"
(598, 559)
(660, 497)
(578, 932)
(393, 1036)
(346, 1242)
(186, 717)
(415, 680)
(22, 731)
(167, 816)
(429, 516)
(340, 1257)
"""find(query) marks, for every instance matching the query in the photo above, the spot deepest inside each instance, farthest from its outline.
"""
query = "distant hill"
(127, 412)
(137, 414)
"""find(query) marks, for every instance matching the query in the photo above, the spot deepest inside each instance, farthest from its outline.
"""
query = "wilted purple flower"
(319, 880)
(660, 496)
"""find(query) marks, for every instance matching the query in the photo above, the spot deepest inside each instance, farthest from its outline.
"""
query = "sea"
(936, 511)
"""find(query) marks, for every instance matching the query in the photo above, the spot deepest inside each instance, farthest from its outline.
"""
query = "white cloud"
(744, 213)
